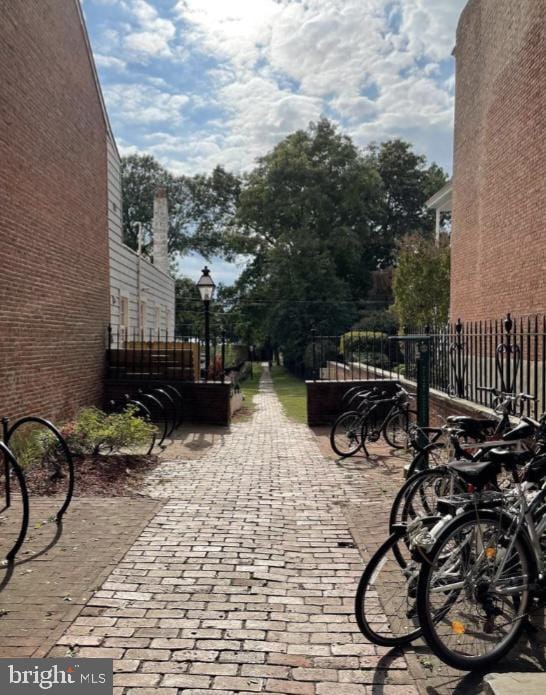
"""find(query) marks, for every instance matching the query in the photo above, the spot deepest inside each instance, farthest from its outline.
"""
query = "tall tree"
(308, 218)
(407, 183)
(421, 281)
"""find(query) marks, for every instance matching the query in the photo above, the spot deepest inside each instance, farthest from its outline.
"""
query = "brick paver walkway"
(244, 582)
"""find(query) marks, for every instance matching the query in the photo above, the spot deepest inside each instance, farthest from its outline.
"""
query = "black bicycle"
(394, 426)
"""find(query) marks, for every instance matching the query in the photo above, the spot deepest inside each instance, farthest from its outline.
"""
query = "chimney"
(160, 229)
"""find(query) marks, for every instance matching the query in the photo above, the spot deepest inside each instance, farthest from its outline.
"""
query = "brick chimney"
(160, 229)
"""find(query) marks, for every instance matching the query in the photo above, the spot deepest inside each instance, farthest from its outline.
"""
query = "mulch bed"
(115, 475)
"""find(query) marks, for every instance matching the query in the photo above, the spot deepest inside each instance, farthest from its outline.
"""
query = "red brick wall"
(499, 205)
(53, 204)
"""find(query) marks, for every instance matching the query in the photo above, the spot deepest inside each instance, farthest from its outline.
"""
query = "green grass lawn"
(292, 394)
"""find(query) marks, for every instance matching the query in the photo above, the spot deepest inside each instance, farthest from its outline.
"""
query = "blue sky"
(203, 82)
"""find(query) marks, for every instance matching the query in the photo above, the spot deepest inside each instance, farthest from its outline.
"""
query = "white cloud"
(375, 66)
(154, 34)
(286, 62)
(110, 62)
(143, 104)
(430, 26)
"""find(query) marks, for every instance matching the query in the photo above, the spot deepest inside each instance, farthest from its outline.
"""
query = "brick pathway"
(244, 581)
(57, 569)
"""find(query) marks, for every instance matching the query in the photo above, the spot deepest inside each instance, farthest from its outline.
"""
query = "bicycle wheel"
(432, 456)
(344, 435)
(422, 498)
(385, 603)
(396, 428)
(481, 614)
(401, 496)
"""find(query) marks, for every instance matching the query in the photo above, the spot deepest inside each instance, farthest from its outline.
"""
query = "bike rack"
(162, 409)
(10, 460)
(147, 416)
(177, 396)
(161, 393)
(8, 433)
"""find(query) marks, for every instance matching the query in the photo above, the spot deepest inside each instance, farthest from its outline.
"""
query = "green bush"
(95, 431)
(92, 432)
(355, 342)
(32, 444)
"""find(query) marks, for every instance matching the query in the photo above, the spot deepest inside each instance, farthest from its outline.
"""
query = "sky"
(198, 83)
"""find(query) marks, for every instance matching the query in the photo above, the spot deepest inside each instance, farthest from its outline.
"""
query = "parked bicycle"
(467, 569)
(374, 415)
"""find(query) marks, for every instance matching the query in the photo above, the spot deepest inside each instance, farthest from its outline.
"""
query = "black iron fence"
(509, 354)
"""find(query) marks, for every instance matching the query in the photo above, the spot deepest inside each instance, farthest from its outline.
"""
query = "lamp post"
(206, 286)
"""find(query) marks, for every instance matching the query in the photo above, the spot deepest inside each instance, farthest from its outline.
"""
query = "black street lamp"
(206, 286)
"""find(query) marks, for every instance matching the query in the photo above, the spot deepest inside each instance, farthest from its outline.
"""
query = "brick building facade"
(54, 285)
(499, 186)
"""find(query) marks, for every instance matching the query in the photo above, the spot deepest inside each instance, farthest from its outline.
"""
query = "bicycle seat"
(522, 431)
(476, 473)
(506, 457)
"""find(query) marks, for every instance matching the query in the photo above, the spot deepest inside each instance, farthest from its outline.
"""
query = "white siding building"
(142, 295)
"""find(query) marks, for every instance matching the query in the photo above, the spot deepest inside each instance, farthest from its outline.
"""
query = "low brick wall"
(324, 401)
(441, 405)
(324, 397)
(203, 403)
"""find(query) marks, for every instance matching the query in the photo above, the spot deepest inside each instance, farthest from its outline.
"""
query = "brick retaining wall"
(206, 403)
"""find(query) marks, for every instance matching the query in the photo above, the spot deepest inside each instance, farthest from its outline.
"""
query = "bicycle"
(494, 573)
(388, 585)
(471, 431)
(345, 432)
(394, 426)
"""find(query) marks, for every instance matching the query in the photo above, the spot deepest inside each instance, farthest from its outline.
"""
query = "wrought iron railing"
(509, 354)
(140, 355)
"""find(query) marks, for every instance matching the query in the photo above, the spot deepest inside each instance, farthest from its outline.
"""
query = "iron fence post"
(508, 324)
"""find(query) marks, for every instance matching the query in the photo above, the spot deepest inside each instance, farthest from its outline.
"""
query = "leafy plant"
(92, 432)
(95, 431)
(363, 342)
(421, 282)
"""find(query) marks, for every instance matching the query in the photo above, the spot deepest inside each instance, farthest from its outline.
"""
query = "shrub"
(94, 431)
(355, 342)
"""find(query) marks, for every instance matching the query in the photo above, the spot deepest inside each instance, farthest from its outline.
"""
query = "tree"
(307, 218)
(141, 175)
(408, 183)
(189, 309)
(200, 207)
(421, 282)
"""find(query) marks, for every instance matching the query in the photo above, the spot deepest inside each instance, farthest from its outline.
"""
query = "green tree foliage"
(421, 282)
(141, 175)
(407, 184)
(189, 307)
(200, 207)
(313, 218)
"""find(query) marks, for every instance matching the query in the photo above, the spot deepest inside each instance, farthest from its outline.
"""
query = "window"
(124, 312)
(157, 318)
